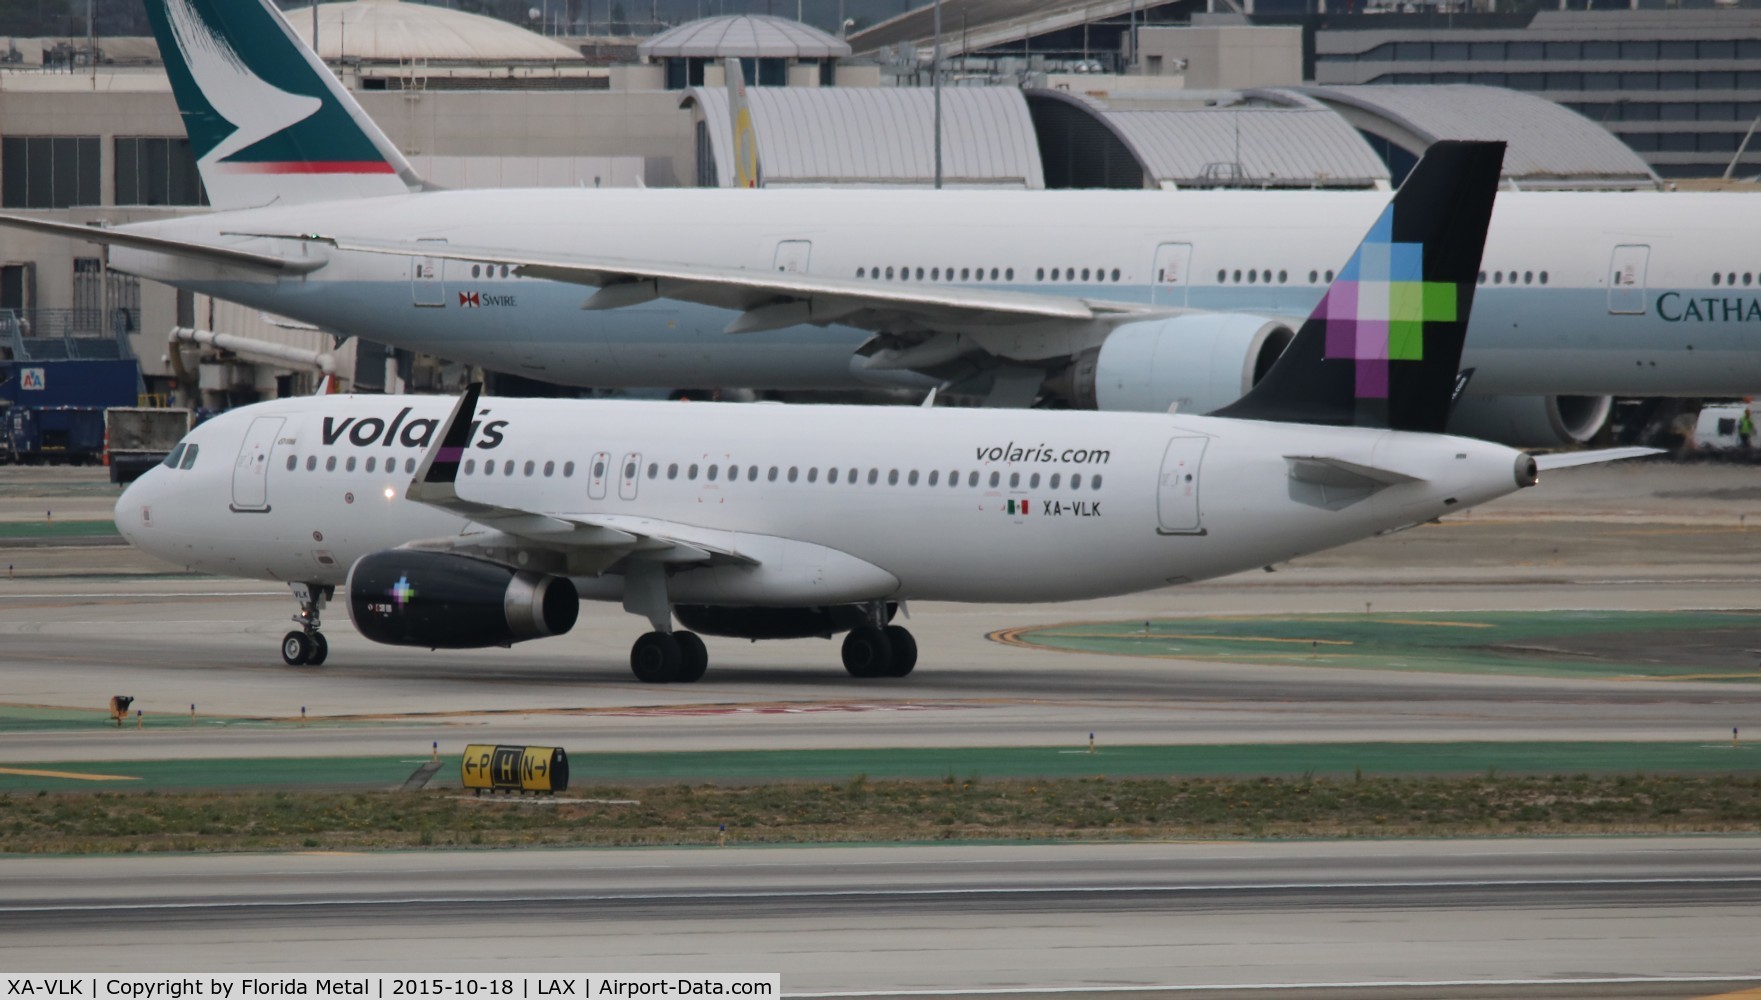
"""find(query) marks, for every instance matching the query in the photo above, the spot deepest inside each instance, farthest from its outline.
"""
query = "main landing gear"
(669, 657)
(306, 646)
(879, 651)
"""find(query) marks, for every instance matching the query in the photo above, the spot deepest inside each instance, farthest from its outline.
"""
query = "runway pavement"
(1610, 915)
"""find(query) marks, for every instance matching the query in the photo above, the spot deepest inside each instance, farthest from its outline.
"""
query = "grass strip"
(866, 811)
(928, 763)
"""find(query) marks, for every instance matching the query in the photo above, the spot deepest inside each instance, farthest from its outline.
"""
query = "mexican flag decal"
(1018, 508)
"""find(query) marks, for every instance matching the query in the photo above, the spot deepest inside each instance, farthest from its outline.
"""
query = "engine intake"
(406, 597)
(773, 623)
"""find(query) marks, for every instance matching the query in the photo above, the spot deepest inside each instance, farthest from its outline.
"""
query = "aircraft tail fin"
(1383, 348)
(748, 173)
(267, 121)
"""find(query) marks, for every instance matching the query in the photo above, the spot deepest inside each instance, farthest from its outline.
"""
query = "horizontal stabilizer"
(1567, 459)
(1338, 472)
(159, 244)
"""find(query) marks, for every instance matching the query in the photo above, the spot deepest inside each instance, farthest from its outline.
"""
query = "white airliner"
(1125, 300)
(481, 522)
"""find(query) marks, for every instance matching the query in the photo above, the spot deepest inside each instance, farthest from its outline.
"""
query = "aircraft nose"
(134, 510)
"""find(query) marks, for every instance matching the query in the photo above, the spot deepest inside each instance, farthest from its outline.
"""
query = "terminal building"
(1105, 93)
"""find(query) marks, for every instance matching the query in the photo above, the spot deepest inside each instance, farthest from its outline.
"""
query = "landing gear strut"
(307, 647)
(663, 656)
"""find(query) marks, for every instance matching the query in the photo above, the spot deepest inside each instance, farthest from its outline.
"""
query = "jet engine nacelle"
(1531, 421)
(774, 623)
(407, 597)
(1202, 362)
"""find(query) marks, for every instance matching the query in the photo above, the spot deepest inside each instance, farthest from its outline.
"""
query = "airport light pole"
(935, 76)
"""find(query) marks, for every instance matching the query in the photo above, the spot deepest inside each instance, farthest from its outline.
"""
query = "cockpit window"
(189, 456)
(172, 459)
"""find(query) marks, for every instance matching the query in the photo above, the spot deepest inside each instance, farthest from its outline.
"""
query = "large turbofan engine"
(1531, 421)
(406, 597)
(1209, 360)
(1202, 362)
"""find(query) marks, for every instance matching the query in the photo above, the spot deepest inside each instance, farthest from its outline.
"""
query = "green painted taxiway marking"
(1713, 646)
(34, 718)
(590, 770)
(57, 529)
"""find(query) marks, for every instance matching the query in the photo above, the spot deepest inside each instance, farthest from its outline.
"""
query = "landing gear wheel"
(867, 652)
(693, 658)
(904, 651)
(656, 658)
(320, 649)
(296, 649)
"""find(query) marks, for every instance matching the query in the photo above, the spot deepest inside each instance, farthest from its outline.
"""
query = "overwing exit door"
(793, 256)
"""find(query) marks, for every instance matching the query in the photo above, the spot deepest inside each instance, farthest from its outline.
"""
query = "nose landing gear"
(306, 647)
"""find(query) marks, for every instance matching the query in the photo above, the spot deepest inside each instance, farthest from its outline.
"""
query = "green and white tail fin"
(268, 122)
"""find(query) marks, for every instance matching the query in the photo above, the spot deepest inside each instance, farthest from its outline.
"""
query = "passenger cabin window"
(329, 464)
(292, 460)
(311, 463)
(568, 470)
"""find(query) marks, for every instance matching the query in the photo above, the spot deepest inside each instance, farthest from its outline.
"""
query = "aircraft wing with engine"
(923, 325)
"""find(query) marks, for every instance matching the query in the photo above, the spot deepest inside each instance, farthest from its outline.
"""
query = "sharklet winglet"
(434, 480)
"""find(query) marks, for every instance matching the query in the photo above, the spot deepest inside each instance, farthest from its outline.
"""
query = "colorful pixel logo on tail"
(1376, 312)
(1383, 348)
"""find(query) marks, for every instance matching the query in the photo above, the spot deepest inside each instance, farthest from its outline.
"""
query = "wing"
(158, 244)
(587, 545)
(1019, 325)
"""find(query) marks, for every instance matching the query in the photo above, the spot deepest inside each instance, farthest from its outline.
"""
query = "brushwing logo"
(254, 108)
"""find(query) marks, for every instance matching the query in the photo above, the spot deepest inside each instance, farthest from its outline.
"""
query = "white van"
(1716, 429)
